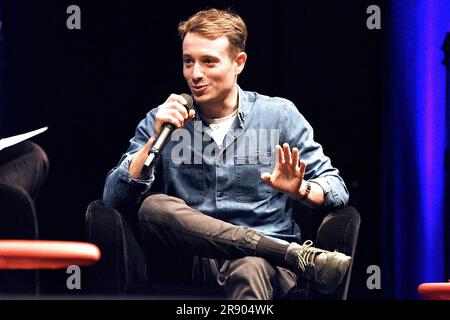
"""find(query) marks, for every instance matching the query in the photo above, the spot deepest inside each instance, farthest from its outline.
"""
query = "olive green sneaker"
(324, 269)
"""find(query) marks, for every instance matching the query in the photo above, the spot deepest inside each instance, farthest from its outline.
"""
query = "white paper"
(10, 141)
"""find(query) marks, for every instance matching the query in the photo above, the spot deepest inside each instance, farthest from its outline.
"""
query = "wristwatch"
(308, 190)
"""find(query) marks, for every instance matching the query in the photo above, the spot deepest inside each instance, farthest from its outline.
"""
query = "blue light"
(416, 145)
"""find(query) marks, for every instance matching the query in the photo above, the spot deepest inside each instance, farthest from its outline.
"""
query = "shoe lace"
(306, 255)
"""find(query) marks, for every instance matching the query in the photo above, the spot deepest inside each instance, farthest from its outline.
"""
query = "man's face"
(208, 68)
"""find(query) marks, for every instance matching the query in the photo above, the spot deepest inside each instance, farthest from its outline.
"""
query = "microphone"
(161, 141)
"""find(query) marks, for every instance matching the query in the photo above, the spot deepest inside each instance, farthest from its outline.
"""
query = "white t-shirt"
(220, 126)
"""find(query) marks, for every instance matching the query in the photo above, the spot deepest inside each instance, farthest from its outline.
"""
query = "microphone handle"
(158, 145)
(163, 137)
(149, 164)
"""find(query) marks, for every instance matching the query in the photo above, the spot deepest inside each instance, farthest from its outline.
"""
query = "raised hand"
(289, 171)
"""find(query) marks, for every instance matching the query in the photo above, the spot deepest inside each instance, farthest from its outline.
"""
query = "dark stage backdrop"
(92, 86)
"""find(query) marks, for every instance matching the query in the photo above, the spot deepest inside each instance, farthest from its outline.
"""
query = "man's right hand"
(171, 111)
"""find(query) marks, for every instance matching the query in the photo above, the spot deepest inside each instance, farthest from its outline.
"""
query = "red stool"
(435, 291)
(40, 254)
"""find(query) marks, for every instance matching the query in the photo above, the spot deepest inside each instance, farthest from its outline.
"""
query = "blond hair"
(214, 23)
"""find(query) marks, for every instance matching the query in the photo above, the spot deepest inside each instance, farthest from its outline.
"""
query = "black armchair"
(17, 221)
(117, 236)
(17, 214)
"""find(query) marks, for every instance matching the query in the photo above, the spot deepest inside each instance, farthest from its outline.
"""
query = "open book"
(10, 141)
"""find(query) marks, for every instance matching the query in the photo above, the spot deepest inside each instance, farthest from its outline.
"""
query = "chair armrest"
(17, 215)
(339, 231)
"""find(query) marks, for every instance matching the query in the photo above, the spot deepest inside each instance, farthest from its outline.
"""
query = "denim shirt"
(225, 182)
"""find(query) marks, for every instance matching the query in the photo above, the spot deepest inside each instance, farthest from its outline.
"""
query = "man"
(225, 196)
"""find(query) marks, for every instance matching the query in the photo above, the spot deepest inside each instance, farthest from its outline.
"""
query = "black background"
(92, 86)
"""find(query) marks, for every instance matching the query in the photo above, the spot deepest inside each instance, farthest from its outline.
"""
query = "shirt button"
(220, 194)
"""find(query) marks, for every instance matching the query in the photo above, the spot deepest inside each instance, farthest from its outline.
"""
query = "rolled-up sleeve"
(121, 190)
(298, 132)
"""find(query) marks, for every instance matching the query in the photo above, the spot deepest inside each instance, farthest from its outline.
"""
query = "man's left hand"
(287, 176)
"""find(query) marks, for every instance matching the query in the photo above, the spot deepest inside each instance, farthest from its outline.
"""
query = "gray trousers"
(228, 251)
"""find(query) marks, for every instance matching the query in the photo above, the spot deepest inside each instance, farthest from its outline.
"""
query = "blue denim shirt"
(225, 182)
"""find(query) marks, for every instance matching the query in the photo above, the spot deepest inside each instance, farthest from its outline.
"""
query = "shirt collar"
(244, 105)
(243, 108)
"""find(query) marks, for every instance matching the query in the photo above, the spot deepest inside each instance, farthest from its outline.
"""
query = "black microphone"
(161, 141)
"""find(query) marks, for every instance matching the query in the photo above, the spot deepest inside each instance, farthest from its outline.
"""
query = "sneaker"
(324, 269)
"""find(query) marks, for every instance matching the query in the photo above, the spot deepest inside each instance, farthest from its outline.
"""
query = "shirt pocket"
(187, 181)
(250, 186)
